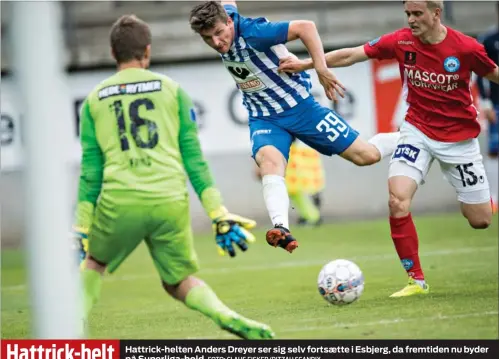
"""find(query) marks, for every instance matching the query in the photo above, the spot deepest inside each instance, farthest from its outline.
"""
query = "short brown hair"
(205, 16)
(129, 38)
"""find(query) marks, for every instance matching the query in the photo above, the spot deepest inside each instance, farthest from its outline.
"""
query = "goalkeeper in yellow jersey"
(139, 142)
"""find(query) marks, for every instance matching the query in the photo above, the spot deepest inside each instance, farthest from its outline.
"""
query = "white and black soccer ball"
(340, 282)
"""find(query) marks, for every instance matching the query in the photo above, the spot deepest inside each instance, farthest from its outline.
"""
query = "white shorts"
(460, 162)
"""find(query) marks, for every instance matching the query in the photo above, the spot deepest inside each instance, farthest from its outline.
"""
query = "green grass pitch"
(270, 285)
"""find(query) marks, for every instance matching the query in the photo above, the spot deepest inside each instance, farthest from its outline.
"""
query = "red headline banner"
(60, 349)
(244, 349)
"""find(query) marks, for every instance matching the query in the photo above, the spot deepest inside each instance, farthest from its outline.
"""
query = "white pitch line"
(368, 324)
(286, 264)
(390, 321)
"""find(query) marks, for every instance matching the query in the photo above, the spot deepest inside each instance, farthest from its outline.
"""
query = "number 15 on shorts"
(334, 125)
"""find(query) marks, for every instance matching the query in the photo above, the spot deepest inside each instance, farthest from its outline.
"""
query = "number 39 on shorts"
(334, 125)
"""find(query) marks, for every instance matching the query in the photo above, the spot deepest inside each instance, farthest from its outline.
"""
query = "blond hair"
(433, 4)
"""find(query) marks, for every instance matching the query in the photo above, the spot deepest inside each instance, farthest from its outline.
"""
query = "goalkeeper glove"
(80, 236)
(231, 229)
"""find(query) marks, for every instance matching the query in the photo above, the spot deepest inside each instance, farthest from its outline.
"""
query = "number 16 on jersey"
(136, 123)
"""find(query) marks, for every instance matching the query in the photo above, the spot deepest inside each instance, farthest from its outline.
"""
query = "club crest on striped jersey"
(246, 80)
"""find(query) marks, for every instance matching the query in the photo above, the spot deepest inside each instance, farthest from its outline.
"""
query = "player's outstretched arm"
(90, 184)
(307, 32)
(338, 58)
(346, 57)
(229, 228)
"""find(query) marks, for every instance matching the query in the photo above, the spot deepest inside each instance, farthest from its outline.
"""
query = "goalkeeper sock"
(203, 299)
(92, 281)
(305, 206)
(276, 199)
(386, 143)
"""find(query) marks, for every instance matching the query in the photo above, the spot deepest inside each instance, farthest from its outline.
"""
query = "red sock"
(405, 239)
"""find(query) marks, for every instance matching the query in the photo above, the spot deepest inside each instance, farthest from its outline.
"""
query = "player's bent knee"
(361, 153)
(271, 161)
(365, 158)
(476, 208)
(480, 223)
(479, 219)
(168, 287)
(399, 207)
(479, 215)
(370, 157)
(401, 189)
(94, 264)
(180, 289)
(171, 289)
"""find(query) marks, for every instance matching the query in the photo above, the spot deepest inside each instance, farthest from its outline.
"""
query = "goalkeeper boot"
(412, 288)
(280, 236)
(244, 328)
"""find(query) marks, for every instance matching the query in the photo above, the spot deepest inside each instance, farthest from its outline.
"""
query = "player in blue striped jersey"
(280, 105)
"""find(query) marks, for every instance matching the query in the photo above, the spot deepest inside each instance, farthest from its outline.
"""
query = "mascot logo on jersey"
(451, 64)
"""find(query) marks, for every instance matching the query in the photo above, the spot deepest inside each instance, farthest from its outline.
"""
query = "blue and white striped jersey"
(253, 61)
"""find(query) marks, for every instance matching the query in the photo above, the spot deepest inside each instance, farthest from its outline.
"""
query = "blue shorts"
(494, 134)
(319, 127)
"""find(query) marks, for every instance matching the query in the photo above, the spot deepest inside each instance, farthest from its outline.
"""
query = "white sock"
(386, 143)
(276, 199)
(421, 283)
(492, 169)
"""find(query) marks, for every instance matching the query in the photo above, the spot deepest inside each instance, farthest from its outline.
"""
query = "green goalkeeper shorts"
(117, 230)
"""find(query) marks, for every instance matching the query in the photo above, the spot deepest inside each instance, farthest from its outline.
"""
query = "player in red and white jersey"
(435, 62)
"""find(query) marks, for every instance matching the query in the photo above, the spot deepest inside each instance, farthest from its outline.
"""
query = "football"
(340, 282)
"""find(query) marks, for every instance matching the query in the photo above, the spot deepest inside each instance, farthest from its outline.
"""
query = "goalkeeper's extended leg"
(198, 296)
